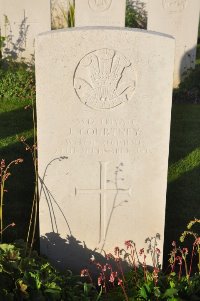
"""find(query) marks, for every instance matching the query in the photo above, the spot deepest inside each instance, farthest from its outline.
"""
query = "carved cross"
(102, 192)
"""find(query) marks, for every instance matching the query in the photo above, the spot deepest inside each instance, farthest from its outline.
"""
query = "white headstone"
(20, 22)
(106, 106)
(179, 18)
(100, 13)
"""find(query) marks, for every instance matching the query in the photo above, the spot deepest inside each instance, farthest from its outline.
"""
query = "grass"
(183, 193)
(15, 122)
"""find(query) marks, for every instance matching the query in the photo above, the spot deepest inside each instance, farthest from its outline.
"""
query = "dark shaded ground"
(183, 193)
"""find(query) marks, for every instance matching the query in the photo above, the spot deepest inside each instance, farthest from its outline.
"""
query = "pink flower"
(141, 251)
(120, 282)
(100, 280)
(92, 259)
(197, 241)
(155, 274)
(99, 266)
(113, 275)
(179, 259)
(128, 244)
(84, 273)
(185, 251)
(22, 139)
(116, 251)
(109, 256)
(3, 164)
(7, 175)
(19, 161)
(157, 251)
(117, 254)
(173, 243)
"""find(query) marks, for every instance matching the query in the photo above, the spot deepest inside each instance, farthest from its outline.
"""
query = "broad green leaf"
(143, 293)
(170, 292)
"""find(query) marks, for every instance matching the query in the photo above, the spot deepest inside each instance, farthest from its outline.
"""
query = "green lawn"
(183, 194)
(15, 122)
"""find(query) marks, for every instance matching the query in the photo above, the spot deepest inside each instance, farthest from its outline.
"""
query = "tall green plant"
(2, 40)
(71, 14)
(35, 207)
(136, 15)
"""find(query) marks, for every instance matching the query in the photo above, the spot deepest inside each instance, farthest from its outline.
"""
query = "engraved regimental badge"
(175, 6)
(99, 5)
(104, 79)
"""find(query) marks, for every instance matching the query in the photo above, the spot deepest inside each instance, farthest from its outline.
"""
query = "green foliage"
(2, 40)
(17, 81)
(71, 14)
(147, 283)
(34, 278)
(136, 15)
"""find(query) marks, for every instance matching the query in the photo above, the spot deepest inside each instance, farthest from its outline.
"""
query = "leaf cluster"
(168, 288)
(136, 15)
(17, 81)
(33, 278)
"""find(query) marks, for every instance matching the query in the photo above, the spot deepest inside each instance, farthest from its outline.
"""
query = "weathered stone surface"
(179, 18)
(106, 107)
(20, 22)
(100, 12)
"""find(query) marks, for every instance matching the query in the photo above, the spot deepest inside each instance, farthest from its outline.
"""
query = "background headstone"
(179, 18)
(20, 22)
(106, 106)
(100, 13)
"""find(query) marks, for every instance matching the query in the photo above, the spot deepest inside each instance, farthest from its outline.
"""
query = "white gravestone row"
(103, 111)
(20, 22)
(179, 18)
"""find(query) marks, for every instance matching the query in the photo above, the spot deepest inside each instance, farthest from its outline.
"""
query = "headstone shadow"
(189, 87)
(72, 254)
(11, 122)
(182, 206)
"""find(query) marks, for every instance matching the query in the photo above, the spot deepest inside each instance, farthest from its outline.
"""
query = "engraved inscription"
(88, 136)
(104, 79)
(99, 5)
(174, 5)
(102, 191)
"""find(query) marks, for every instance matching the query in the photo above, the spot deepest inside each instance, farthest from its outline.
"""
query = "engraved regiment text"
(174, 5)
(104, 136)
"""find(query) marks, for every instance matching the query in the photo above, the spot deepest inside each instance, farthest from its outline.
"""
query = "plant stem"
(124, 292)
